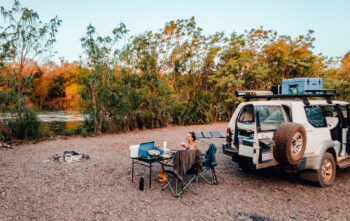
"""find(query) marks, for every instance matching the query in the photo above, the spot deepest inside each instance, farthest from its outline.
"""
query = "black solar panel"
(210, 134)
(199, 135)
(216, 134)
(206, 134)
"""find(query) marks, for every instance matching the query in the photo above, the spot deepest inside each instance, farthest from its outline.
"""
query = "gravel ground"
(34, 188)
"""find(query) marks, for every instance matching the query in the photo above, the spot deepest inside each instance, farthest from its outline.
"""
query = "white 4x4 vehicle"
(307, 136)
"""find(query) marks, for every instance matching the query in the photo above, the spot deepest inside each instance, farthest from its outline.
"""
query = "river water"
(56, 120)
(54, 116)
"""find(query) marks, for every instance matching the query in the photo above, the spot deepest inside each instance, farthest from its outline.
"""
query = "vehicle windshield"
(269, 118)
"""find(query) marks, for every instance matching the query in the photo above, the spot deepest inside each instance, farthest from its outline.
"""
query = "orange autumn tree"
(344, 77)
(54, 86)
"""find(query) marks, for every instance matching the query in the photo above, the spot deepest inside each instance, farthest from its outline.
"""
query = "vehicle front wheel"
(327, 170)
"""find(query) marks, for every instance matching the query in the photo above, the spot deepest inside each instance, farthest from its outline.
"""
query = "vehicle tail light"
(228, 135)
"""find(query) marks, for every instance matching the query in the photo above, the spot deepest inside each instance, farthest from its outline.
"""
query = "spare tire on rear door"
(290, 143)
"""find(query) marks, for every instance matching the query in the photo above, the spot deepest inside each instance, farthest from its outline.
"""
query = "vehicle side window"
(345, 115)
(288, 112)
(247, 115)
(315, 116)
(329, 111)
(331, 114)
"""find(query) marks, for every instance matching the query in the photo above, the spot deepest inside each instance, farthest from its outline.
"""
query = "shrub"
(26, 127)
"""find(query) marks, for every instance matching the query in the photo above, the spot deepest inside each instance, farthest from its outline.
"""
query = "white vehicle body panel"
(318, 139)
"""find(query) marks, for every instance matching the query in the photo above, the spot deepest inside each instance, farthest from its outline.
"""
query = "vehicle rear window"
(269, 117)
(315, 116)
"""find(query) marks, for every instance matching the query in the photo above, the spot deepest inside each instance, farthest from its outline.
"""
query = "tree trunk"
(102, 116)
(8, 134)
(95, 108)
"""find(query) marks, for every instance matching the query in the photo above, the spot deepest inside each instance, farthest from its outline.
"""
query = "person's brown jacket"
(184, 160)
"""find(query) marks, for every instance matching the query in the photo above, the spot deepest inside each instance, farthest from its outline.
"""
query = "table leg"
(132, 171)
(150, 174)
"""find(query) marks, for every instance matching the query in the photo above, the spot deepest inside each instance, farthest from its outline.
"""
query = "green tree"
(23, 37)
(101, 55)
(26, 36)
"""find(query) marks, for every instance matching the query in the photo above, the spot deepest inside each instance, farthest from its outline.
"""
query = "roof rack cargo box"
(300, 85)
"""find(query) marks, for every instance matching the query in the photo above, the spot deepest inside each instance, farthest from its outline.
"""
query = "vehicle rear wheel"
(327, 170)
(290, 143)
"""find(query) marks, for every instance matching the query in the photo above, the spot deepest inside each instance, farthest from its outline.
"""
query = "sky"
(329, 19)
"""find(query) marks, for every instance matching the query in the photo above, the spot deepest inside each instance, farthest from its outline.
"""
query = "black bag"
(142, 184)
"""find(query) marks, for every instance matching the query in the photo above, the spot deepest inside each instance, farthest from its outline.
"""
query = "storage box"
(299, 85)
(134, 150)
(248, 142)
(276, 89)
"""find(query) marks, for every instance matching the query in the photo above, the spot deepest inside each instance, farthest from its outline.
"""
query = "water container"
(299, 85)
(134, 150)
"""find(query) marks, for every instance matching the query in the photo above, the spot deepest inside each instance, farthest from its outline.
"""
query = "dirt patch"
(101, 187)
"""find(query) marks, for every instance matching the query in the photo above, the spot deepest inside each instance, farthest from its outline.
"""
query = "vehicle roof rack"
(322, 90)
(328, 94)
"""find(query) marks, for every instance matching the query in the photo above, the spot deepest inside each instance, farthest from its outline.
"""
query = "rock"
(6, 146)
(72, 152)
(85, 156)
(110, 170)
(55, 158)
(3, 194)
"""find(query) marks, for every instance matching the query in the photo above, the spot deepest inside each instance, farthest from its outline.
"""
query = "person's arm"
(183, 145)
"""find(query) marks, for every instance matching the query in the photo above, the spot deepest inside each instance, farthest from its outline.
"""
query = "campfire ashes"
(69, 157)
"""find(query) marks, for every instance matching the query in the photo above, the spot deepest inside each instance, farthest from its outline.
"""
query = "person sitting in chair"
(190, 137)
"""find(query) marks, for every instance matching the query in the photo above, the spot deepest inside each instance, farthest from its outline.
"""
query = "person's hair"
(193, 135)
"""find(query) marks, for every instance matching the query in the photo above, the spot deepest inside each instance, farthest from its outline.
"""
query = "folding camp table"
(147, 162)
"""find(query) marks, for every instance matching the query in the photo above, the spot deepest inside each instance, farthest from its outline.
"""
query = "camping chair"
(209, 164)
(184, 174)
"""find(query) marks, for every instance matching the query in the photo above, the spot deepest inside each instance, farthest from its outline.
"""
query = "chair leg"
(189, 184)
(205, 178)
(211, 179)
(178, 187)
(176, 191)
(215, 177)
(167, 185)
